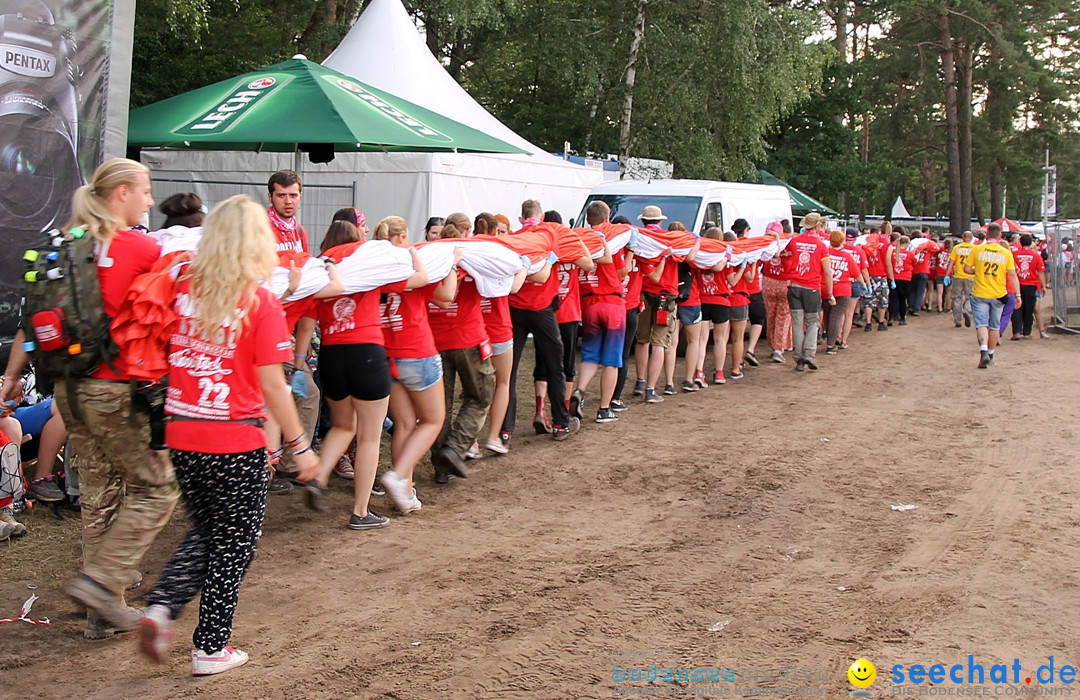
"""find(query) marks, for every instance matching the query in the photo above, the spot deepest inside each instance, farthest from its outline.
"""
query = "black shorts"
(757, 309)
(715, 313)
(360, 371)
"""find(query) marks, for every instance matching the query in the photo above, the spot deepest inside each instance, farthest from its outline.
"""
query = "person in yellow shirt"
(992, 265)
(961, 281)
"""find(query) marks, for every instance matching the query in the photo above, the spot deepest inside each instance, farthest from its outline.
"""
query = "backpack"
(63, 315)
(12, 480)
(686, 282)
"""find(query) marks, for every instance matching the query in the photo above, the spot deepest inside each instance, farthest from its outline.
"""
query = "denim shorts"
(690, 315)
(987, 312)
(502, 348)
(418, 374)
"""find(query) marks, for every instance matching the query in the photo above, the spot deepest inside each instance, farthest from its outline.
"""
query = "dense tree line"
(948, 103)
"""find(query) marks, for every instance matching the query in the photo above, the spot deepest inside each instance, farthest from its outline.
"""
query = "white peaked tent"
(385, 49)
(899, 211)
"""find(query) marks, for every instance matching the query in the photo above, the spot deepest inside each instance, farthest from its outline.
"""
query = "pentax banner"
(56, 107)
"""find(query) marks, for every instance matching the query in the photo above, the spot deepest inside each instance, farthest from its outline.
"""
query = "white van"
(698, 204)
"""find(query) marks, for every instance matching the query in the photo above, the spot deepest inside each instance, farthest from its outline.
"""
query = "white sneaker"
(474, 452)
(203, 664)
(400, 490)
(497, 447)
(415, 503)
(155, 633)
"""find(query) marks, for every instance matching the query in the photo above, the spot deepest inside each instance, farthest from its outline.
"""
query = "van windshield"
(676, 208)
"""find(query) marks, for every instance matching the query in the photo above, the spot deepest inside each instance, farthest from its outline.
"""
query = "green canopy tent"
(801, 203)
(298, 106)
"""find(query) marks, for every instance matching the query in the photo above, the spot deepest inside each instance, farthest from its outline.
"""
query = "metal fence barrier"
(317, 206)
(1061, 273)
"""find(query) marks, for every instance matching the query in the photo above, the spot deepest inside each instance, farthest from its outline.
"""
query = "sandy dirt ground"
(747, 527)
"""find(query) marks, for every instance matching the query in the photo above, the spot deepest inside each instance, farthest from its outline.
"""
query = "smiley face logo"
(862, 674)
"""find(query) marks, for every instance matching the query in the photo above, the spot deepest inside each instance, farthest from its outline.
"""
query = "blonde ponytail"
(90, 208)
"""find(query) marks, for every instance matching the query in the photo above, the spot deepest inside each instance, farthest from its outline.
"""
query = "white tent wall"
(411, 185)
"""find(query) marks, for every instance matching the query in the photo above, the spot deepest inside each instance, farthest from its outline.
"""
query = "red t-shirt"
(291, 240)
(859, 255)
(695, 291)
(740, 291)
(877, 257)
(774, 268)
(602, 280)
(941, 262)
(844, 269)
(669, 277)
(217, 383)
(1028, 266)
(923, 259)
(460, 325)
(904, 266)
(354, 319)
(713, 287)
(632, 285)
(405, 328)
(569, 310)
(802, 260)
(130, 254)
(497, 319)
(754, 285)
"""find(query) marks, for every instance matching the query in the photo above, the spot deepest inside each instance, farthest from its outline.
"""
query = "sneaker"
(7, 515)
(203, 664)
(344, 468)
(279, 487)
(7, 531)
(911, 313)
(777, 356)
(882, 327)
(452, 463)
(618, 406)
(474, 452)
(984, 359)
(810, 364)
(414, 503)
(1044, 335)
(1016, 337)
(967, 320)
(690, 386)
(736, 374)
(652, 397)
(751, 360)
(606, 415)
(377, 489)
(46, 490)
(903, 322)
(400, 490)
(992, 363)
(577, 403)
(956, 325)
(669, 390)
(832, 350)
(573, 425)
(870, 326)
(108, 605)
(639, 387)
(700, 380)
(800, 366)
(371, 521)
(718, 378)
(315, 496)
(504, 438)
(97, 628)
(496, 446)
(155, 633)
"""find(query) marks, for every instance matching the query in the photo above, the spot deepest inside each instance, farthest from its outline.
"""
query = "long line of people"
(243, 397)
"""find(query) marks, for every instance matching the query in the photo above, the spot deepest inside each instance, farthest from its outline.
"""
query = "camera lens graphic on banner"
(39, 117)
